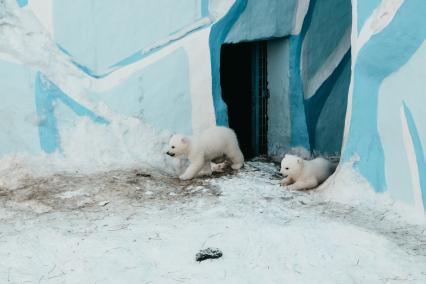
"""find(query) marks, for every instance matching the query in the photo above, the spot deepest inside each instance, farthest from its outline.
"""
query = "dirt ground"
(131, 203)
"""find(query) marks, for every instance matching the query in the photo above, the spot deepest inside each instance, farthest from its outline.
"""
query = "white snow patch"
(43, 9)
(266, 234)
(87, 147)
(347, 186)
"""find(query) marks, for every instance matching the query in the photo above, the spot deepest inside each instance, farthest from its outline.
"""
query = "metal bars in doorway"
(260, 95)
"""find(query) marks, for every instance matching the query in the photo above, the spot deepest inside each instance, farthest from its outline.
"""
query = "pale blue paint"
(22, 3)
(405, 86)
(141, 54)
(106, 31)
(18, 119)
(382, 55)
(74, 32)
(365, 10)
(47, 95)
(264, 19)
(218, 34)
(418, 149)
(159, 94)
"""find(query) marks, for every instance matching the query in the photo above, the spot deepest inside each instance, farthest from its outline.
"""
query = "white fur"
(213, 144)
(302, 174)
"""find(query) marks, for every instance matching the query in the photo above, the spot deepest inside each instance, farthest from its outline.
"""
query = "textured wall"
(385, 122)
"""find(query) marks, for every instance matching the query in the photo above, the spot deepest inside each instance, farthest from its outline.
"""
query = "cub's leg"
(193, 169)
(299, 185)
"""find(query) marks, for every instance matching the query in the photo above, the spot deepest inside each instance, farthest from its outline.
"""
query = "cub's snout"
(170, 154)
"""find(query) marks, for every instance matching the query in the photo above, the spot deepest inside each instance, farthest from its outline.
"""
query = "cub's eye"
(173, 147)
(286, 168)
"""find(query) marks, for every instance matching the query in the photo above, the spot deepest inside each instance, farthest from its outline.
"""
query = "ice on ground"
(54, 230)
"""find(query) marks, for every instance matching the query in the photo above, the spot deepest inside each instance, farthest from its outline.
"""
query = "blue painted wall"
(264, 19)
(165, 104)
(18, 118)
(100, 33)
(329, 22)
(326, 111)
(377, 116)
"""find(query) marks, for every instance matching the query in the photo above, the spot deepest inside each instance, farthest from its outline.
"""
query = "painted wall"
(279, 124)
(325, 73)
(264, 19)
(157, 62)
(385, 121)
(64, 62)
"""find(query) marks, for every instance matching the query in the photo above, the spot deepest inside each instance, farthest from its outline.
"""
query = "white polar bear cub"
(302, 174)
(213, 144)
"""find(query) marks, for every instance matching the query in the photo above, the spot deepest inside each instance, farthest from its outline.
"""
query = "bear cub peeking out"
(215, 144)
(302, 174)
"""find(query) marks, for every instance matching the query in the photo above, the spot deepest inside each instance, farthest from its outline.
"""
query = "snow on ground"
(134, 226)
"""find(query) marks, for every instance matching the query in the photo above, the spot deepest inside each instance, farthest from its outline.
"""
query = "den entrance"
(243, 78)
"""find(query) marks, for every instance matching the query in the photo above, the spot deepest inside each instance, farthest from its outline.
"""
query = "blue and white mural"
(344, 77)
(385, 122)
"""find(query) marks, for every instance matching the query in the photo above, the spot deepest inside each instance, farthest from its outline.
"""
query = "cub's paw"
(237, 166)
(185, 177)
(285, 181)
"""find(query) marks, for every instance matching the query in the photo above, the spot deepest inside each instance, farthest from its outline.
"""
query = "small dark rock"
(143, 175)
(208, 253)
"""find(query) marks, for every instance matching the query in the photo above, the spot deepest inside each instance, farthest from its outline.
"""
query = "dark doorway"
(243, 80)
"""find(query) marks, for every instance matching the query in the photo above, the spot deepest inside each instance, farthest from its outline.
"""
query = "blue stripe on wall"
(204, 8)
(299, 132)
(22, 3)
(299, 128)
(47, 129)
(218, 34)
(418, 149)
(46, 95)
(315, 104)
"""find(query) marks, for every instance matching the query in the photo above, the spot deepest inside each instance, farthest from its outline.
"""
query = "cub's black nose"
(170, 154)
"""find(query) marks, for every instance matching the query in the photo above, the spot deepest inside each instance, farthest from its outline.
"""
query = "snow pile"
(88, 147)
(348, 187)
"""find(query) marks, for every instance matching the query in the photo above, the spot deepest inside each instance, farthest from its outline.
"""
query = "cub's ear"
(184, 140)
(285, 156)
